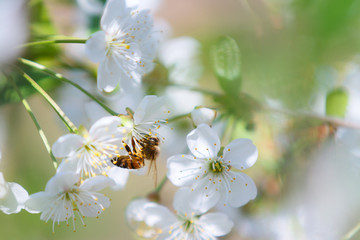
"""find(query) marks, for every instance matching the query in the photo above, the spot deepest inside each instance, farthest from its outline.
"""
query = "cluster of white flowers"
(114, 145)
(150, 219)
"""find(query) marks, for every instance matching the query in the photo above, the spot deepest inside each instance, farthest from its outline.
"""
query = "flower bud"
(203, 115)
(337, 102)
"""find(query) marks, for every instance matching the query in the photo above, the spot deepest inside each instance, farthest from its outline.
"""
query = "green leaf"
(8, 94)
(225, 56)
(336, 102)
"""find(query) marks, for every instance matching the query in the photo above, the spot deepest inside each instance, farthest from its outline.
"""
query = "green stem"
(41, 132)
(161, 184)
(190, 88)
(173, 119)
(75, 40)
(71, 126)
(352, 232)
(63, 79)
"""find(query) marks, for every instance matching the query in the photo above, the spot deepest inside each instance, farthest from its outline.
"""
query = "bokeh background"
(298, 100)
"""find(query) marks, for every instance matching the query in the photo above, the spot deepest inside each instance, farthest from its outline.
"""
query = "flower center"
(187, 225)
(216, 166)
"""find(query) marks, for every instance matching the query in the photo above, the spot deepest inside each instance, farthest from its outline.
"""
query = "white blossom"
(125, 47)
(210, 176)
(90, 154)
(203, 115)
(187, 223)
(64, 196)
(151, 114)
(12, 196)
(136, 217)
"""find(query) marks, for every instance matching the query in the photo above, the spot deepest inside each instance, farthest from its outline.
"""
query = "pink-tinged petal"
(204, 195)
(95, 46)
(119, 176)
(158, 216)
(115, 10)
(203, 142)
(105, 127)
(243, 189)
(240, 153)
(66, 145)
(218, 224)
(183, 169)
(97, 183)
(61, 182)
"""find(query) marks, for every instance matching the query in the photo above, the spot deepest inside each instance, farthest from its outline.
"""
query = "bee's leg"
(133, 144)
(127, 148)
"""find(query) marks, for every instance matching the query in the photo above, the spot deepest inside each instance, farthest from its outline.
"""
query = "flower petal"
(242, 153)
(151, 109)
(182, 169)
(243, 189)
(119, 176)
(203, 142)
(218, 224)
(21, 195)
(37, 202)
(61, 182)
(115, 10)
(93, 204)
(95, 46)
(97, 183)
(181, 202)
(105, 127)
(67, 145)
(204, 195)
(159, 216)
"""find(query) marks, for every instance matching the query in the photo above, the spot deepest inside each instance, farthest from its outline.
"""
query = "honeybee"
(145, 148)
(134, 160)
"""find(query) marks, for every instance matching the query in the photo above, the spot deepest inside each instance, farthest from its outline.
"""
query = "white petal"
(97, 183)
(105, 127)
(95, 46)
(111, 71)
(115, 10)
(142, 25)
(69, 165)
(120, 176)
(241, 153)
(203, 115)
(67, 145)
(8, 204)
(151, 109)
(159, 216)
(62, 181)
(243, 189)
(203, 142)
(20, 194)
(93, 204)
(3, 186)
(37, 202)
(218, 224)
(181, 202)
(204, 196)
(182, 169)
